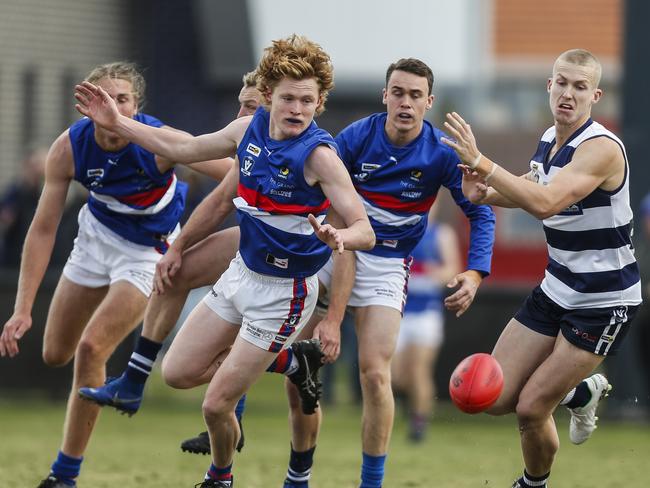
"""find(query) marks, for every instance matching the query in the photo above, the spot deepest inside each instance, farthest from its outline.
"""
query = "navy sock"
(66, 468)
(221, 474)
(239, 409)
(299, 471)
(581, 396)
(142, 360)
(528, 481)
(282, 362)
(372, 471)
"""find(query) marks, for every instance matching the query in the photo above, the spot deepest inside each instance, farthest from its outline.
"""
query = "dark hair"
(414, 66)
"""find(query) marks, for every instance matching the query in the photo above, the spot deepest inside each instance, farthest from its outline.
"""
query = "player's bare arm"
(450, 256)
(214, 168)
(328, 330)
(479, 192)
(95, 103)
(324, 167)
(204, 220)
(39, 242)
(597, 163)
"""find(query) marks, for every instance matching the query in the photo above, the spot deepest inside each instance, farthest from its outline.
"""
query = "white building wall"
(52, 38)
(364, 36)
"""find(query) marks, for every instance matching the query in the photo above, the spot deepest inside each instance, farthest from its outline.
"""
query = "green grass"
(461, 450)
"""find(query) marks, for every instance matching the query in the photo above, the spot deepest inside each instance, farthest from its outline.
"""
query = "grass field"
(461, 450)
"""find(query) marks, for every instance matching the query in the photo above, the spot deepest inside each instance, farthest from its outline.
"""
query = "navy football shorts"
(597, 330)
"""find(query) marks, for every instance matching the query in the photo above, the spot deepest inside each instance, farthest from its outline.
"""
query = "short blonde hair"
(582, 57)
(250, 79)
(122, 70)
(296, 57)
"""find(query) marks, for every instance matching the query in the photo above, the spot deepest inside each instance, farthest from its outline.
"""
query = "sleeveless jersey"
(127, 192)
(423, 292)
(398, 185)
(591, 261)
(273, 201)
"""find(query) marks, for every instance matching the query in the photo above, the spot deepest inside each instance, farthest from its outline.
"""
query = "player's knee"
(175, 377)
(55, 357)
(216, 409)
(529, 412)
(375, 380)
(90, 350)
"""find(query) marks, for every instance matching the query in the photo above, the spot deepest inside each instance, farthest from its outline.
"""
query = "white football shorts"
(101, 257)
(379, 281)
(271, 310)
(424, 328)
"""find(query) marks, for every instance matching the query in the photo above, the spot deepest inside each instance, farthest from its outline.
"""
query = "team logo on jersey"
(95, 173)
(247, 165)
(411, 194)
(390, 243)
(416, 175)
(253, 149)
(282, 263)
(281, 193)
(534, 169)
(575, 209)
(284, 172)
(368, 167)
(362, 176)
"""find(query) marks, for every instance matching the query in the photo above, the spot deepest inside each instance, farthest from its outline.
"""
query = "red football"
(476, 383)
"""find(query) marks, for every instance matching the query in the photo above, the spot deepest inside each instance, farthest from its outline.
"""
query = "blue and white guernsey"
(274, 200)
(127, 192)
(398, 185)
(591, 261)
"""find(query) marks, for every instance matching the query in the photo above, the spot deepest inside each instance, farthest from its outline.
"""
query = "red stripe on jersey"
(389, 202)
(417, 267)
(255, 199)
(147, 198)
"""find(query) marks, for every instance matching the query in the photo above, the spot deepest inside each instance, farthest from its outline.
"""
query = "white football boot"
(583, 419)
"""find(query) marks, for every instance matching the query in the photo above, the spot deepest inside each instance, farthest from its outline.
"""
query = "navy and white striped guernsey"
(591, 260)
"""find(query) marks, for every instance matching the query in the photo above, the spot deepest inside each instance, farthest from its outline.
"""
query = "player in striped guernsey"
(132, 213)
(578, 186)
(287, 174)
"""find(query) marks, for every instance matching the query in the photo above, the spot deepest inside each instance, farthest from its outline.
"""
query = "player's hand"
(474, 187)
(328, 331)
(464, 143)
(166, 268)
(328, 234)
(467, 283)
(13, 331)
(96, 104)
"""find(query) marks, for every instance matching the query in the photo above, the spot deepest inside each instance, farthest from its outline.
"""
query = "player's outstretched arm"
(325, 168)
(39, 242)
(213, 168)
(596, 163)
(94, 102)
